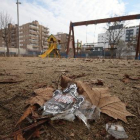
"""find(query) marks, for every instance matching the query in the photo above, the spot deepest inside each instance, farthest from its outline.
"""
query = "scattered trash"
(101, 98)
(66, 104)
(127, 78)
(63, 100)
(81, 116)
(116, 131)
(75, 99)
(90, 111)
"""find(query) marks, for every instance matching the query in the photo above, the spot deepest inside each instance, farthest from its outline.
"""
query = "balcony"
(35, 46)
(43, 34)
(46, 35)
(33, 37)
(21, 30)
(45, 43)
(32, 27)
(33, 41)
(46, 31)
(13, 40)
(20, 44)
(33, 32)
(13, 45)
(21, 37)
(21, 41)
(13, 32)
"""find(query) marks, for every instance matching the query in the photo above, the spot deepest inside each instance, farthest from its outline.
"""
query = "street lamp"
(18, 27)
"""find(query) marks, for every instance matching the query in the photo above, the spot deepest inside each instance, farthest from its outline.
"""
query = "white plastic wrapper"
(81, 116)
(67, 104)
(66, 115)
(62, 101)
(90, 111)
(116, 131)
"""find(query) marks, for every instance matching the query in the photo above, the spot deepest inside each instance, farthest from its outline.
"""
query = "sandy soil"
(36, 72)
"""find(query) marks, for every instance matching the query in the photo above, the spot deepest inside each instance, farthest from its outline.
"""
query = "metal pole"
(104, 49)
(69, 39)
(138, 45)
(18, 46)
(77, 46)
(73, 41)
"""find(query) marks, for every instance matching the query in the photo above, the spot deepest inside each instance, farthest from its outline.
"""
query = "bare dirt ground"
(33, 73)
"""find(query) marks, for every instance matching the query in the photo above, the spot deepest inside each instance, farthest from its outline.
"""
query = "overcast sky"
(57, 14)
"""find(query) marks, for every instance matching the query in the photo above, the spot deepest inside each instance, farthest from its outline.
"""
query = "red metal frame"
(138, 45)
(122, 18)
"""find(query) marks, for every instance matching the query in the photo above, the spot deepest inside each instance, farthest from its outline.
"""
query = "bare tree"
(5, 19)
(114, 33)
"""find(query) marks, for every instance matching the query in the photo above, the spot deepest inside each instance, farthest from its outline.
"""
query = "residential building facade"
(126, 35)
(64, 40)
(32, 38)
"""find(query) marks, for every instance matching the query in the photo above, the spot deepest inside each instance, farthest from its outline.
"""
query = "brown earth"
(32, 73)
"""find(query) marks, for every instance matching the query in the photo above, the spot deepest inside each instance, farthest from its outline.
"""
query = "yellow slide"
(45, 54)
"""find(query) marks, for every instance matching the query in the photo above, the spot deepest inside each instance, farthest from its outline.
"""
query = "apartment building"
(126, 35)
(64, 40)
(32, 38)
(131, 32)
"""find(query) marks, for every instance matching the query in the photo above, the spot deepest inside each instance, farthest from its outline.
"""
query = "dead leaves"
(88, 60)
(65, 81)
(131, 77)
(41, 96)
(127, 78)
(98, 82)
(36, 133)
(19, 137)
(77, 76)
(100, 97)
(27, 112)
(136, 86)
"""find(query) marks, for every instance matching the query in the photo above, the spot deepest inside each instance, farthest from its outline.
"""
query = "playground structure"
(54, 47)
(107, 20)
